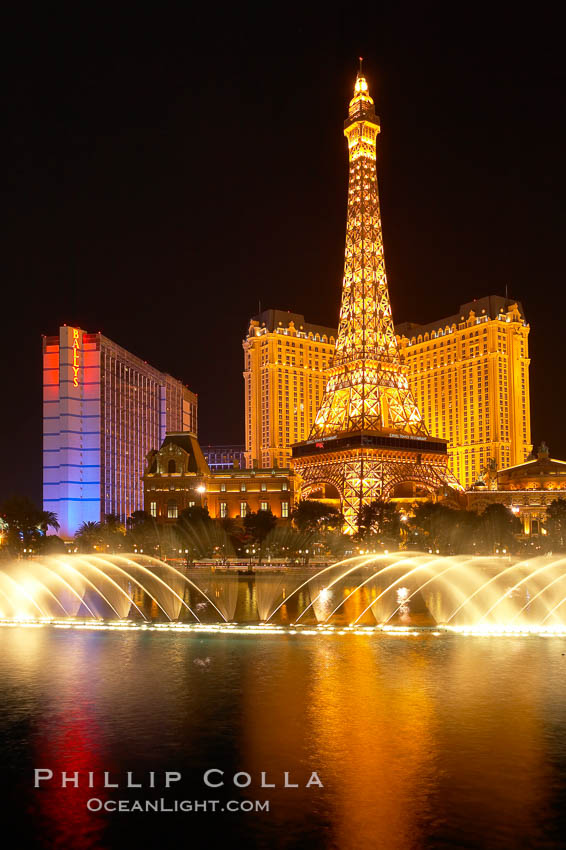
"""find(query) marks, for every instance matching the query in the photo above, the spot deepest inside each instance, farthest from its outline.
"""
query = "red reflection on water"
(73, 747)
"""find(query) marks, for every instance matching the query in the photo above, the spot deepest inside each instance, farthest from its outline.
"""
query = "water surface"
(421, 742)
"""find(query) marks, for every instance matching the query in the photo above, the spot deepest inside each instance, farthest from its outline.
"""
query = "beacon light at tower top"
(361, 90)
(361, 87)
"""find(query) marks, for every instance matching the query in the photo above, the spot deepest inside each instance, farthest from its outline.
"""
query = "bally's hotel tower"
(104, 409)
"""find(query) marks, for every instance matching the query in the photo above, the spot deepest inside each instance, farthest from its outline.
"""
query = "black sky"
(166, 171)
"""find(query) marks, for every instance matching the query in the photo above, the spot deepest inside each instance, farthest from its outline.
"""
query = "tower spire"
(367, 385)
(368, 435)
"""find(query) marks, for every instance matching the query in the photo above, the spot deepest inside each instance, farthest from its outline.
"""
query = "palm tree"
(433, 526)
(24, 521)
(143, 533)
(555, 524)
(48, 519)
(88, 535)
(498, 528)
(228, 536)
(380, 520)
(229, 525)
(88, 528)
(258, 525)
(195, 532)
(312, 516)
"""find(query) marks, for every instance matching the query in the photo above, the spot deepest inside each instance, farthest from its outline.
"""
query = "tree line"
(316, 530)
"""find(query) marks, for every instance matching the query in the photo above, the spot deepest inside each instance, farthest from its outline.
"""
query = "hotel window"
(263, 506)
(243, 509)
(263, 485)
(284, 509)
(153, 508)
(172, 510)
(223, 510)
(284, 485)
(243, 486)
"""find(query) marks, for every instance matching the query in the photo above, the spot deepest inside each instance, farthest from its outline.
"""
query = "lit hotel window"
(243, 509)
(263, 506)
(172, 511)
(223, 510)
(284, 485)
(284, 509)
(153, 508)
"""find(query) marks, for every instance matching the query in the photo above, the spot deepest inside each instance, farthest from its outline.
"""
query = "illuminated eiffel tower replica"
(368, 436)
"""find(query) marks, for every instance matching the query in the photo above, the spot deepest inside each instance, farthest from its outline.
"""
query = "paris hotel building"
(104, 409)
(469, 374)
(284, 363)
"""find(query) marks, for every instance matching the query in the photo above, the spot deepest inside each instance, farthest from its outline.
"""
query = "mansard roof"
(189, 444)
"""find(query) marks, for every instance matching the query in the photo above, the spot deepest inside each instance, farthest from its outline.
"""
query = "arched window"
(171, 467)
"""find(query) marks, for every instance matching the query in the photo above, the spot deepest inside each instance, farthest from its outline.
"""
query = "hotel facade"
(224, 457)
(527, 489)
(469, 374)
(104, 409)
(178, 477)
(285, 359)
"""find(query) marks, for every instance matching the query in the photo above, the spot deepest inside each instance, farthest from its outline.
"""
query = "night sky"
(167, 171)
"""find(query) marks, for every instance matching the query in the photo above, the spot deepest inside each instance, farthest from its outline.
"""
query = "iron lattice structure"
(367, 392)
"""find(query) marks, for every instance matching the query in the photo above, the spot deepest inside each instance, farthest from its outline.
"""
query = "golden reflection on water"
(495, 750)
(404, 733)
(368, 732)
(373, 734)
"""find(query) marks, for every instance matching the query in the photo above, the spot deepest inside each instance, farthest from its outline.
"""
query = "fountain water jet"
(414, 589)
(356, 559)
